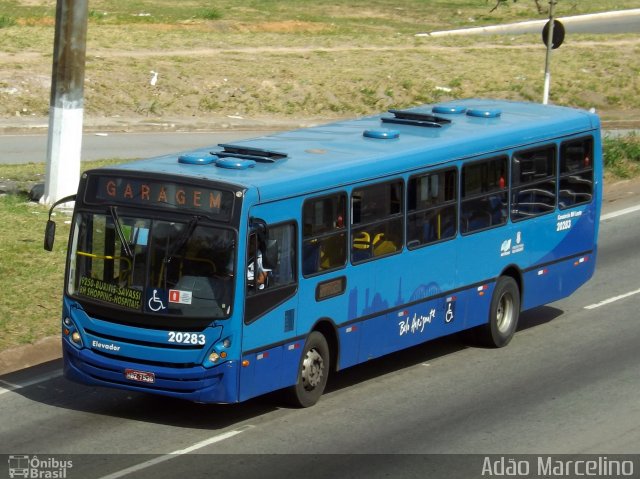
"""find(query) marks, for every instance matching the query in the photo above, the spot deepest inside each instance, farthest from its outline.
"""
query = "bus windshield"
(152, 266)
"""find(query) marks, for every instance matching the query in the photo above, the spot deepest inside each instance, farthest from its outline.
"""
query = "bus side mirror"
(259, 226)
(49, 235)
(50, 229)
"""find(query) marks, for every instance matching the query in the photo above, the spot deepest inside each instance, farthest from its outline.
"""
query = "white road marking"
(40, 379)
(615, 214)
(611, 300)
(174, 454)
(608, 216)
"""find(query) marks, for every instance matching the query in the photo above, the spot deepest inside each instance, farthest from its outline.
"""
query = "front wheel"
(313, 372)
(503, 314)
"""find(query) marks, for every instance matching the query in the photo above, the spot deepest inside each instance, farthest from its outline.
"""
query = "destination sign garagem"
(160, 194)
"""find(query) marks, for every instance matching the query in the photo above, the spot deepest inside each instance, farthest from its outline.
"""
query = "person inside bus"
(332, 248)
(256, 272)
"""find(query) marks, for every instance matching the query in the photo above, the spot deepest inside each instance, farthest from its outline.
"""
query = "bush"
(622, 155)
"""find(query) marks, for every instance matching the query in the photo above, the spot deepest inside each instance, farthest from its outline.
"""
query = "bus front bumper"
(215, 385)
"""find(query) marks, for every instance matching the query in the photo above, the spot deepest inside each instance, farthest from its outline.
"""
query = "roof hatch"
(406, 117)
(248, 153)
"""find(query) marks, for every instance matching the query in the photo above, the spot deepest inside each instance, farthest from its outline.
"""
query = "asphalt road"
(615, 22)
(21, 148)
(622, 24)
(567, 384)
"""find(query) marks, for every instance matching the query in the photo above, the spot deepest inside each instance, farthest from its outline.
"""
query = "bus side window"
(271, 260)
(431, 208)
(533, 182)
(377, 220)
(484, 195)
(576, 172)
(324, 239)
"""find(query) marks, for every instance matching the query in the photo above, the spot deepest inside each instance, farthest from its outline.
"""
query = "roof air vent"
(449, 109)
(405, 117)
(484, 112)
(196, 160)
(234, 163)
(381, 134)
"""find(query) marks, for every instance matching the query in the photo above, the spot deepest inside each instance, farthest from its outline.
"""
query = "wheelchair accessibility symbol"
(449, 314)
(156, 301)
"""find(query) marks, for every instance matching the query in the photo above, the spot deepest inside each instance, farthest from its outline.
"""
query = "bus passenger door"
(270, 309)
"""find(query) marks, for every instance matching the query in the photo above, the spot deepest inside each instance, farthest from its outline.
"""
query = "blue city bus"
(228, 272)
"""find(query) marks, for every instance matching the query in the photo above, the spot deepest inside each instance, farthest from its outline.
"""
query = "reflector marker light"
(351, 329)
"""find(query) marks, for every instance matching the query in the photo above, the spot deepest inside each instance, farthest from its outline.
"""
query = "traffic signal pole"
(67, 101)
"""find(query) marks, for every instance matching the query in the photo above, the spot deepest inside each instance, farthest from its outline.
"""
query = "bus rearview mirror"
(50, 229)
(49, 235)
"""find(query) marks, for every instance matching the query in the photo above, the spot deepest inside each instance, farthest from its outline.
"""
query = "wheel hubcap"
(504, 313)
(312, 370)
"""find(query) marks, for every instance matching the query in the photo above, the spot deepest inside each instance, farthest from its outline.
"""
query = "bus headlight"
(70, 331)
(214, 356)
(217, 352)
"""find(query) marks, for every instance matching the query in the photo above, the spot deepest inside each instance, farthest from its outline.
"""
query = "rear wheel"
(313, 372)
(503, 314)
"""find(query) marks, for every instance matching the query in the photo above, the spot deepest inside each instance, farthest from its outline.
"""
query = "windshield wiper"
(116, 221)
(182, 239)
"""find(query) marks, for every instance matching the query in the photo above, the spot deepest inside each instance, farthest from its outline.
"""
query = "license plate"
(140, 376)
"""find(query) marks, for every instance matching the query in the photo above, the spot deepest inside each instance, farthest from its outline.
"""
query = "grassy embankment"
(310, 59)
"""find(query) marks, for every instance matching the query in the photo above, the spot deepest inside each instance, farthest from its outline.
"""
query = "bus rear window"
(576, 173)
(533, 182)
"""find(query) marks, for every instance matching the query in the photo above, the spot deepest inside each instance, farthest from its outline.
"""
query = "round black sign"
(558, 34)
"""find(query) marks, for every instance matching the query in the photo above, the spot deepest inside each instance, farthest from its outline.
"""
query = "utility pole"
(67, 101)
(547, 62)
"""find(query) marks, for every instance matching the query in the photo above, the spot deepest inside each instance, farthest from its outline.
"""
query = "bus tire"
(313, 372)
(503, 314)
